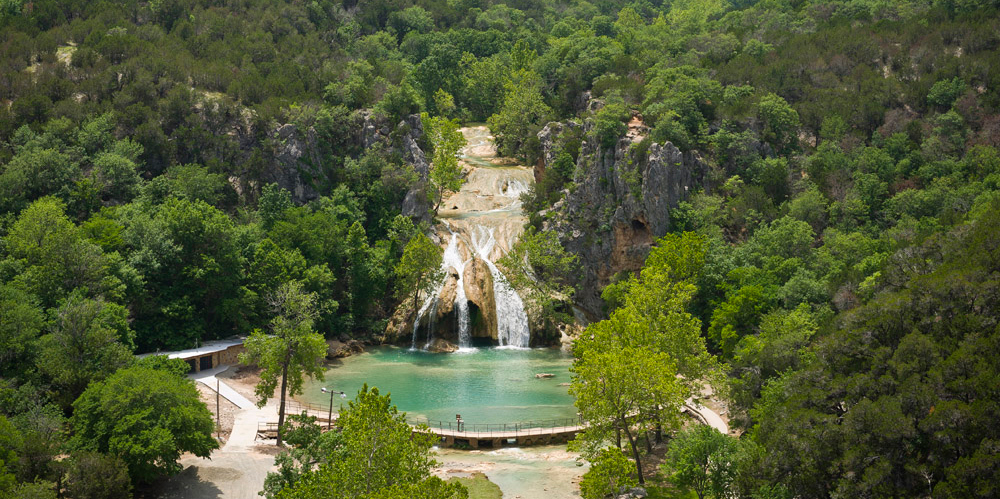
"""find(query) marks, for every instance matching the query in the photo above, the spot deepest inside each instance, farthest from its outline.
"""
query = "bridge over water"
(520, 434)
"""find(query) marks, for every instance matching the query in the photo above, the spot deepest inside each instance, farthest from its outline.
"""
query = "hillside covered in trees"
(166, 166)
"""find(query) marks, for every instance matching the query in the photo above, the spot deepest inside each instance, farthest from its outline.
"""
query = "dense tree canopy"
(375, 455)
(167, 166)
(147, 417)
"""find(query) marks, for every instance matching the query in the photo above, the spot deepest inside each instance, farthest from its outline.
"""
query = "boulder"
(441, 345)
(337, 349)
(633, 493)
(544, 375)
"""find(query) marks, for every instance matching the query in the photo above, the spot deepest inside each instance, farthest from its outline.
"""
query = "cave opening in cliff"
(480, 335)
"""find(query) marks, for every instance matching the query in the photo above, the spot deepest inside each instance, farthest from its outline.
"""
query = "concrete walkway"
(208, 378)
(244, 435)
(237, 470)
(708, 416)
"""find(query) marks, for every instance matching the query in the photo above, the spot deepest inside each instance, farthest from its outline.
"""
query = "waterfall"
(454, 260)
(432, 317)
(512, 321)
(428, 302)
(514, 188)
(450, 259)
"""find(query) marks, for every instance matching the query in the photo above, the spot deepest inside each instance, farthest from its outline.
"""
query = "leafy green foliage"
(157, 416)
(519, 119)
(291, 350)
(700, 458)
(446, 142)
(375, 455)
(90, 338)
(634, 370)
(419, 270)
(884, 382)
(609, 473)
(95, 476)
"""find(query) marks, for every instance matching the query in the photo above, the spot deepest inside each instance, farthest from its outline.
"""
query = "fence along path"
(525, 433)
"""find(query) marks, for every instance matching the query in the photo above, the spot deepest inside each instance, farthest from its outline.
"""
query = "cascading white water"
(514, 188)
(428, 302)
(454, 260)
(512, 320)
(450, 260)
(432, 317)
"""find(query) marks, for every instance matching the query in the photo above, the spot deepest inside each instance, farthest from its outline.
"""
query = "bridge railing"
(521, 427)
(320, 411)
(266, 430)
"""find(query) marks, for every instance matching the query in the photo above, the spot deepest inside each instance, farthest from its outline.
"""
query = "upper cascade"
(480, 223)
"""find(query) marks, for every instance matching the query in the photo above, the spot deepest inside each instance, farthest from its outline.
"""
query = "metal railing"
(265, 430)
(296, 407)
(538, 427)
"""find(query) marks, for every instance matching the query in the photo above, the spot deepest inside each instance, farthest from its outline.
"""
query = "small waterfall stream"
(430, 301)
(454, 260)
(450, 260)
(512, 321)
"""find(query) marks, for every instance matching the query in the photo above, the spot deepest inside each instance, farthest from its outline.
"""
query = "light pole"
(329, 416)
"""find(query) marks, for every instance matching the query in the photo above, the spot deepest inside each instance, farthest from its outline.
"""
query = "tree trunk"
(281, 405)
(635, 455)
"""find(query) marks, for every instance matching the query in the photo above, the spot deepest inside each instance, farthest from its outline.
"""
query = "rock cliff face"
(297, 165)
(403, 139)
(295, 159)
(619, 204)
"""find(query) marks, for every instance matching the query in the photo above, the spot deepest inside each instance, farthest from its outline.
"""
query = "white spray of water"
(453, 259)
(430, 301)
(512, 320)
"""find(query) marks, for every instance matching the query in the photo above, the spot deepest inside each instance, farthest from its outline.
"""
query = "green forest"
(168, 166)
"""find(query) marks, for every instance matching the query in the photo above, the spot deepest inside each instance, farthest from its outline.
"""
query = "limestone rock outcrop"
(296, 157)
(620, 202)
(479, 292)
(403, 138)
(297, 165)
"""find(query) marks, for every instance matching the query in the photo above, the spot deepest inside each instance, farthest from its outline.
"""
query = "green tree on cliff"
(446, 142)
(419, 269)
(291, 349)
(514, 126)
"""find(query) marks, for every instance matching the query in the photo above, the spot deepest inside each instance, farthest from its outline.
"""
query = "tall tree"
(90, 338)
(701, 459)
(291, 350)
(622, 391)
(446, 141)
(633, 371)
(419, 269)
(519, 118)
